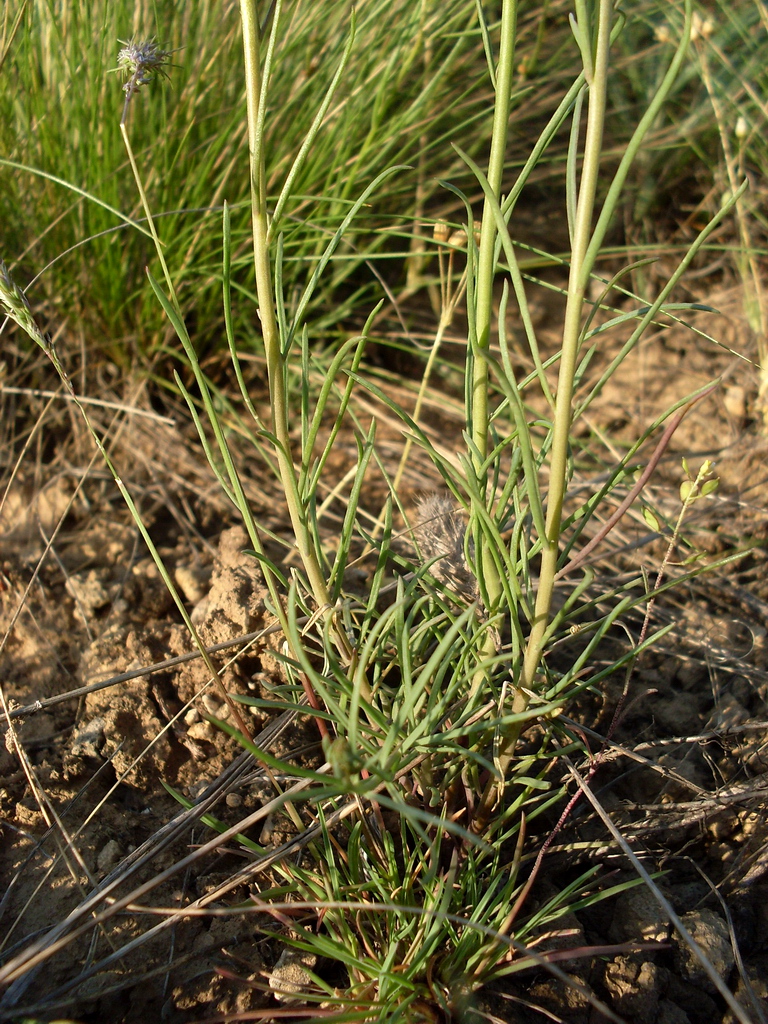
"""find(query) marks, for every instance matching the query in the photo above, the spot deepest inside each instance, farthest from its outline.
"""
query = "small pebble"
(202, 731)
(710, 933)
(210, 704)
(109, 855)
(735, 402)
(290, 976)
(192, 584)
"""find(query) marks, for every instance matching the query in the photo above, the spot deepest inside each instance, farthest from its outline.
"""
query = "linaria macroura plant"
(421, 699)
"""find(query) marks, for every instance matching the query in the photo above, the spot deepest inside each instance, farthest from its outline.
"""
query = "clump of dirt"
(155, 727)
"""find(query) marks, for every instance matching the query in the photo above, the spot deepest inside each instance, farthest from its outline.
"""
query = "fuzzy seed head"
(439, 532)
(141, 63)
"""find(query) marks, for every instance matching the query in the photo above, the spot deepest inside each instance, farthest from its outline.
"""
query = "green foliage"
(64, 172)
(59, 131)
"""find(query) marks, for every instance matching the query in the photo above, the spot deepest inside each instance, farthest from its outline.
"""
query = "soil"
(84, 784)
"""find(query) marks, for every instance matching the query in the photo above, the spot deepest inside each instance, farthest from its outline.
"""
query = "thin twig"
(100, 402)
(661, 447)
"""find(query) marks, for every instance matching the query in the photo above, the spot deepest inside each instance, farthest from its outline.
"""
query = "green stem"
(150, 219)
(486, 265)
(276, 368)
(577, 284)
(486, 269)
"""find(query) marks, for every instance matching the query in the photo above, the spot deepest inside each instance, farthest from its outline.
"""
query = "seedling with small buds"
(698, 485)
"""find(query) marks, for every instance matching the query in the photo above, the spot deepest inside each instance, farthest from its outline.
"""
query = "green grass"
(61, 119)
(417, 867)
(406, 104)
